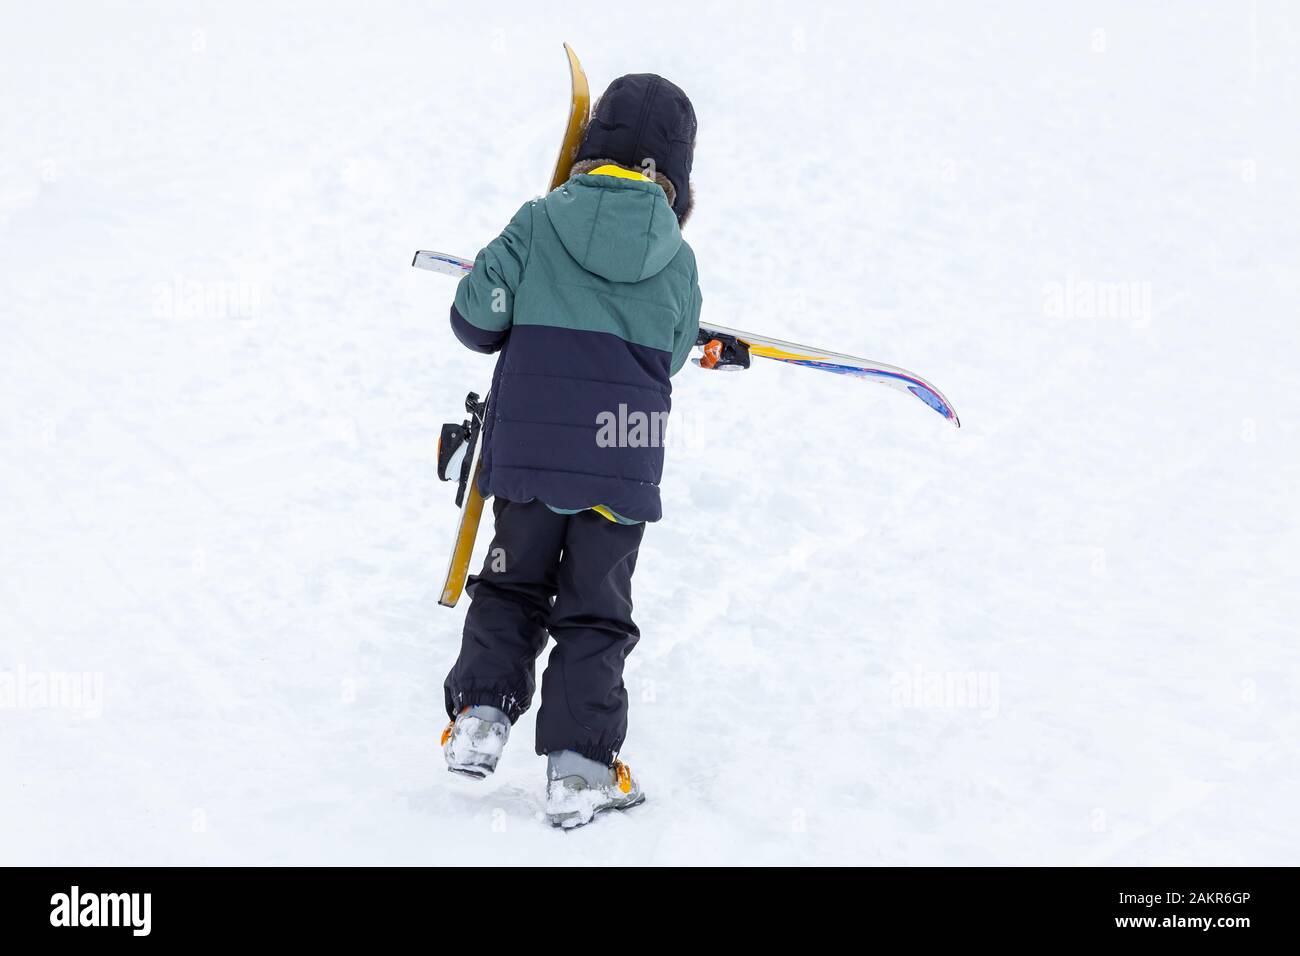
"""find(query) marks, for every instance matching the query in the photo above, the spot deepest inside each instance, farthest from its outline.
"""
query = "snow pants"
(571, 576)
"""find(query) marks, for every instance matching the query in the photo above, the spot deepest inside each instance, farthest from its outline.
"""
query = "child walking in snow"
(591, 297)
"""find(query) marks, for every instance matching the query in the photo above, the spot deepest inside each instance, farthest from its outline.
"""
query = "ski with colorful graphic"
(731, 348)
(468, 496)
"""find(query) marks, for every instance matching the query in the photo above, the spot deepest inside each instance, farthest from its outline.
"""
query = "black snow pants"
(570, 575)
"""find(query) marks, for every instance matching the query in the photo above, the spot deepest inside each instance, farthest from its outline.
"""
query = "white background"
(224, 507)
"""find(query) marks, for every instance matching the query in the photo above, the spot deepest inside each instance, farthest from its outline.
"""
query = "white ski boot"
(472, 743)
(578, 788)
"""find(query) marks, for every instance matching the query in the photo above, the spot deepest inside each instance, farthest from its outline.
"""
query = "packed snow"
(1063, 634)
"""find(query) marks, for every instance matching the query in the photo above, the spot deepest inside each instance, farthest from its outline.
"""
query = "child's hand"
(722, 352)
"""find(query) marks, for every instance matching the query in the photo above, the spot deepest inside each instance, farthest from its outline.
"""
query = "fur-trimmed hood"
(584, 166)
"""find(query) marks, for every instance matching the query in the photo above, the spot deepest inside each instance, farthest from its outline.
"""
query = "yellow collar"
(611, 170)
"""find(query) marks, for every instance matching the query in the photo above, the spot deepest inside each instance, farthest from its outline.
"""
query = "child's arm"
(688, 328)
(485, 299)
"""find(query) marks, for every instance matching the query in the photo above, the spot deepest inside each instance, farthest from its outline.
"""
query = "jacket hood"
(620, 229)
(643, 117)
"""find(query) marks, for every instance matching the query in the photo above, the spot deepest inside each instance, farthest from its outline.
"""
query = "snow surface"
(1066, 633)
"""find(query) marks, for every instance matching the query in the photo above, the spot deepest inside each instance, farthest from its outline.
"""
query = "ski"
(468, 496)
(731, 348)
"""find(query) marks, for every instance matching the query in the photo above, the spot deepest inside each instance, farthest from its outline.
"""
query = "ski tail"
(442, 263)
(453, 584)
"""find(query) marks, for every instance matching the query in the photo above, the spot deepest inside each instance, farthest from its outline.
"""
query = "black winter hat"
(643, 116)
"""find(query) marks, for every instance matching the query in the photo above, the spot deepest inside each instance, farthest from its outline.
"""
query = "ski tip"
(930, 395)
(576, 71)
(949, 412)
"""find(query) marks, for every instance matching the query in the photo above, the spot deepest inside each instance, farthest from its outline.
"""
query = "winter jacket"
(591, 295)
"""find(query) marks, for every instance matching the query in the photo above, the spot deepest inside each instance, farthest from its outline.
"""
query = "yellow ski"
(472, 509)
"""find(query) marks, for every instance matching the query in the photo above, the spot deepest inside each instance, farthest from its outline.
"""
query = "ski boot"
(578, 788)
(472, 743)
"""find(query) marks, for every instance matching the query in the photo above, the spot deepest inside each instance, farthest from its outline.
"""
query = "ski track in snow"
(230, 512)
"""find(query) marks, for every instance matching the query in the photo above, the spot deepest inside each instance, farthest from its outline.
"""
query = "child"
(591, 296)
